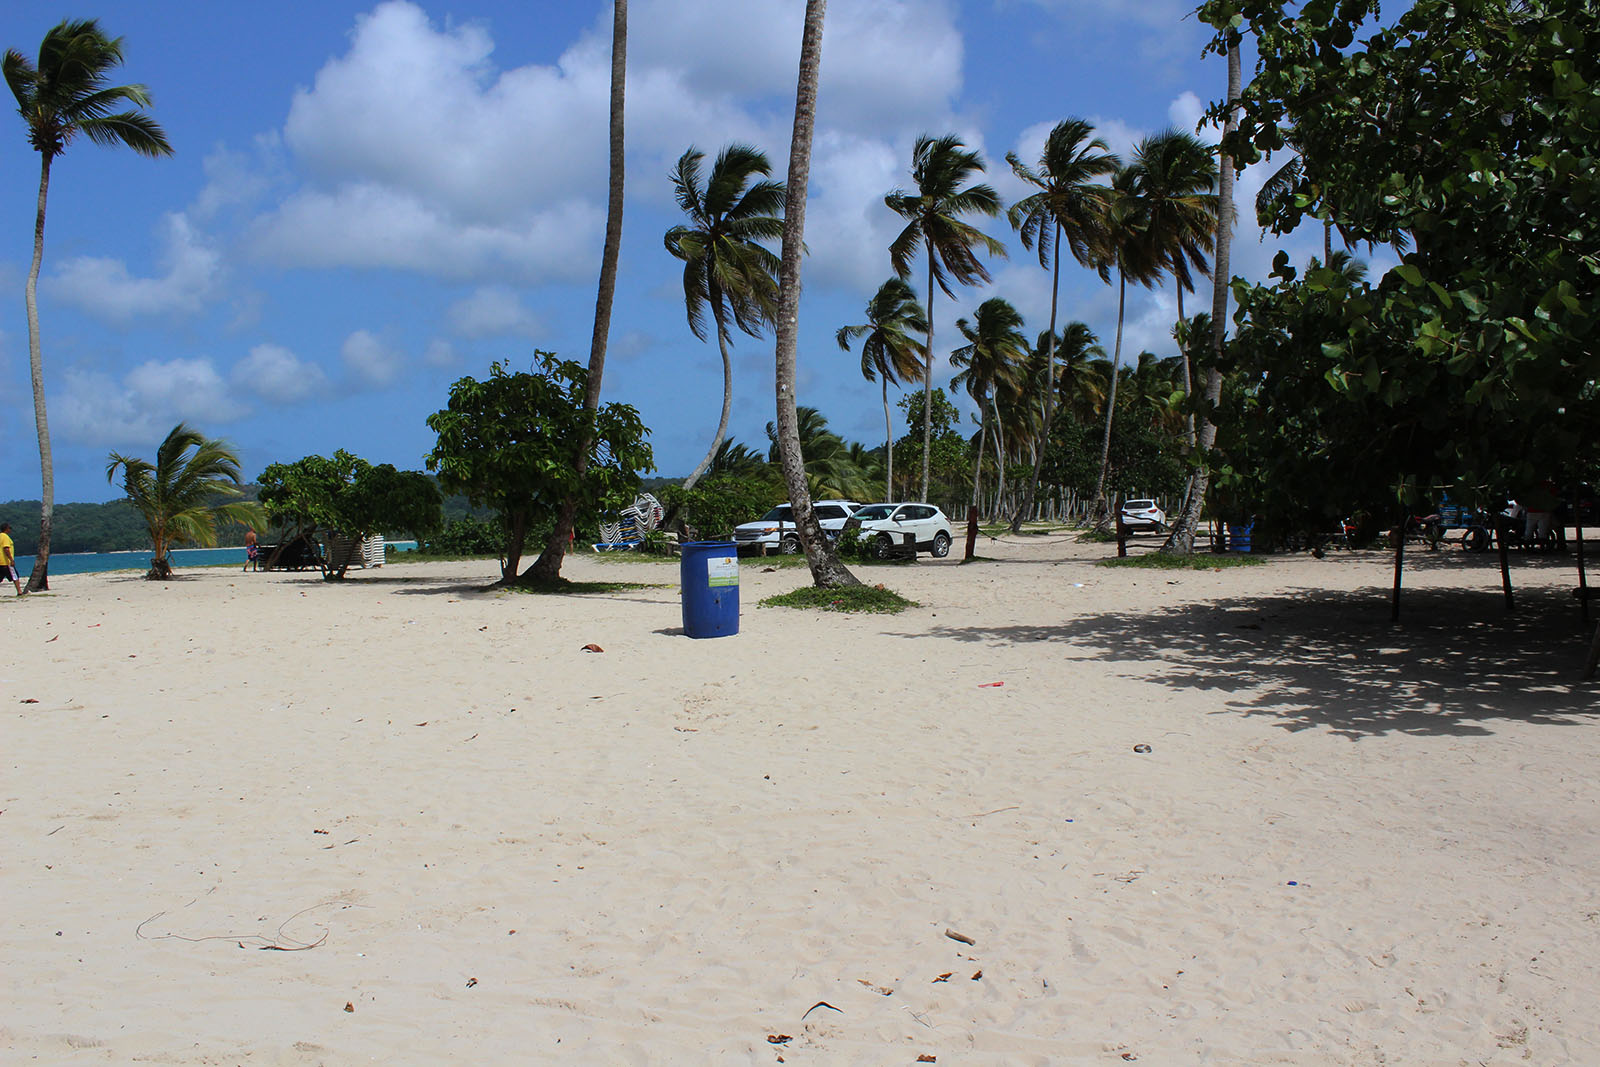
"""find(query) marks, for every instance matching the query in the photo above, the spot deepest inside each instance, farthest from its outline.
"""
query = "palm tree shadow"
(1313, 658)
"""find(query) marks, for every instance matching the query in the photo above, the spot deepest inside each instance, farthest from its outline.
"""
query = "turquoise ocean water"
(90, 562)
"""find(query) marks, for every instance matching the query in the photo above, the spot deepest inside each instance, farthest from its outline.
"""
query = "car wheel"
(789, 545)
(941, 544)
(881, 546)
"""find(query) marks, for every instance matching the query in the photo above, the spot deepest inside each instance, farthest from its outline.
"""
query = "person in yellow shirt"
(8, 557)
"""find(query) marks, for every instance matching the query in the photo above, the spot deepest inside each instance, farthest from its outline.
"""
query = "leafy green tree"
(722, 501)
(66, 94)
(506, 443)
(990, 362)
(1471, 363)
(1082, 382)
(726, 270)
(1070, 206)
(950, 452)
(346, 500)
(940, 167)
(889, 353)
(180, 496)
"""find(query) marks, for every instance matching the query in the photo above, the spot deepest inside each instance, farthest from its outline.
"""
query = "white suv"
(887, 527)
(775, 529)
(1143, 515)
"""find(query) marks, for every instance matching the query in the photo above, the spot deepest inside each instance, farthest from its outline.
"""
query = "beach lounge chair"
(633, 522)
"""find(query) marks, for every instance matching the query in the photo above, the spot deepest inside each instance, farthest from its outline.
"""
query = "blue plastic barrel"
(1239, 537)
(709, 574)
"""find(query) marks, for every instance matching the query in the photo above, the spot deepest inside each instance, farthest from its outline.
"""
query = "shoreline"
(1348, 843)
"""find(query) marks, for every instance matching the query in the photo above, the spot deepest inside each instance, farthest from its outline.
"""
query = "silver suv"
(888, 527)
(775, 530)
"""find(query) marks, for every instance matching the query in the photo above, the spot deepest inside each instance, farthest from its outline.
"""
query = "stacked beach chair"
(632, 523)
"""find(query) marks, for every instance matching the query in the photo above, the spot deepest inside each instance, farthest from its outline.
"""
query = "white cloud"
(278, 375)
(492, 311)
(371, 361)
(139, 410)
(105, 288)
(440, 353)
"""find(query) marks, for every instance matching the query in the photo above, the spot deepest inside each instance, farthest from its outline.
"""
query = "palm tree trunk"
(1049, 390)
(1181, 540)
(977, 466)
(999, 459)
(826, 570)
(888, 446)
(1098, 505)
(927, 382)
(727, 402)
(1188, 372)
(40, 578)
(548, 566)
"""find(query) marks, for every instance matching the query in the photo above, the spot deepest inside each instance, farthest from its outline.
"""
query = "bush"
(465, 537)
(718, 504)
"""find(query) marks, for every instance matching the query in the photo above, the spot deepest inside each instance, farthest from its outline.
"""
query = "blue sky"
(369, 201)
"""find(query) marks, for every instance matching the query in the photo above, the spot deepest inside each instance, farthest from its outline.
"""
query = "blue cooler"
(708, 572)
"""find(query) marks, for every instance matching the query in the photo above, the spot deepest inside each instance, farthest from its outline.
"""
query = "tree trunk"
(727, 394)
(888, 446)
(1098, 505)
(977, 465)
(826, 569)
(927, 383)
(39, 580)
(547, 567)
(1181, 540)
(999, 460)
(1049, 390)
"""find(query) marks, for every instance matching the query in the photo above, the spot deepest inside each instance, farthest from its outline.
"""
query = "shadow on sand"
(1313, 658)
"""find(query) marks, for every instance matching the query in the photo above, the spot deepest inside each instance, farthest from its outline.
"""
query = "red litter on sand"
(990, 685)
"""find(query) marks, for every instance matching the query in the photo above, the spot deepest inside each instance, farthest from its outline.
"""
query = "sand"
(256, 818)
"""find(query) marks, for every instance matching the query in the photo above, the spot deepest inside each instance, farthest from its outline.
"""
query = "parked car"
(1143, 515)
(775, 530)
(886, 527)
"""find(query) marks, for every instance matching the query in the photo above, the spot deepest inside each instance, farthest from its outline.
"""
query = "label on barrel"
(722, 570)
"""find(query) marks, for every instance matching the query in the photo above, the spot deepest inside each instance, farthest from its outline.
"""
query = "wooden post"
(1594, 655)
(1502, 527)
(1399, 559)
(1122, 537)
(1583, 580)
(972, 532)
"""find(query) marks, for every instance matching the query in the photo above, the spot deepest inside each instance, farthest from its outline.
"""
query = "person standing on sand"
(8, 557)
(251, 555)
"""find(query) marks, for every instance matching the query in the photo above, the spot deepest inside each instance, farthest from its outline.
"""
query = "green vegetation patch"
(1096, 537)
(1200, 561)
(564, 587)
(856, 598)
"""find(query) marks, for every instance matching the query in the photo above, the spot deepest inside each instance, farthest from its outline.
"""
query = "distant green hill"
(117, 527)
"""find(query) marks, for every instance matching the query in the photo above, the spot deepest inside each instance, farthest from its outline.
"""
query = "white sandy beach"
(1350, 843)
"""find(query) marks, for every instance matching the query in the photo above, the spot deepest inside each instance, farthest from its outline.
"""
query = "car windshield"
(874, 511)
(781, 513)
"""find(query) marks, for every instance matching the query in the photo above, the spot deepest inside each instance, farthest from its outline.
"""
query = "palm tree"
(1070, 207)
(826, 570)
(940, 167)
(1127, 244)
(889, 354)
(833, 468)
(183, 493)
(1081, 381)
(1175, 177)
(995, 352)
(547, 567)
(725, 267)
(64, 95)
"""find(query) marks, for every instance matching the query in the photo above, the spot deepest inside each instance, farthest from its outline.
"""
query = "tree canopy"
(350, 499)
(506, 443)
(1467, 132)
